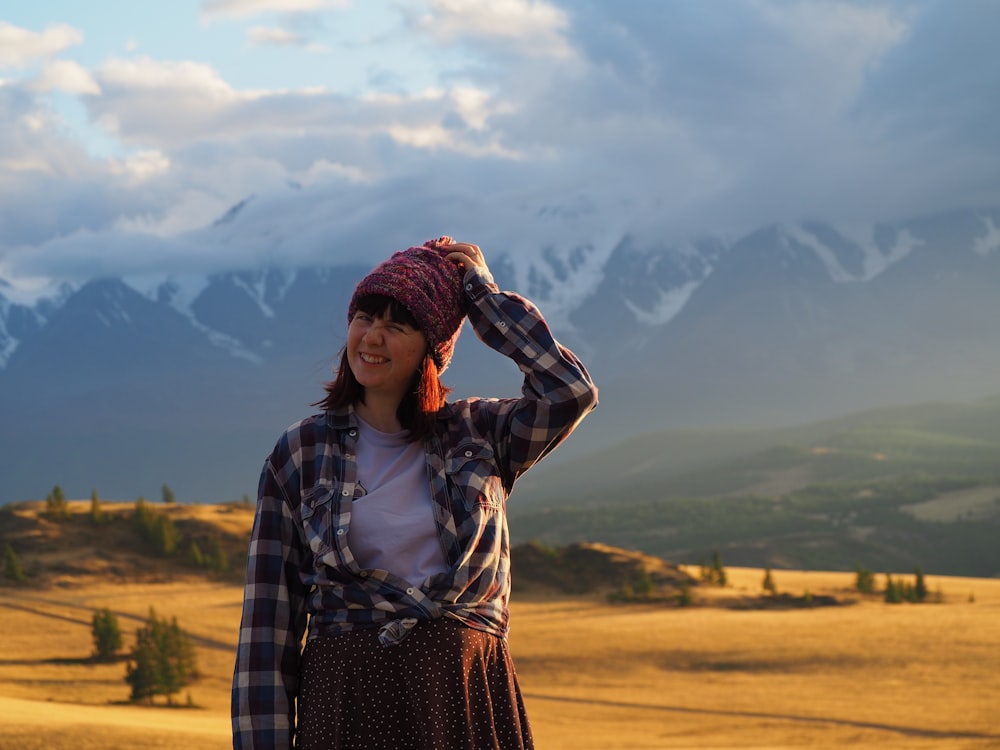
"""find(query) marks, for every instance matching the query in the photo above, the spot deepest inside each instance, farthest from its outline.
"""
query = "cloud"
(20, 47)
(548, 123)
(263, 35)
(213, 9)
(533, 27)
(67, 76)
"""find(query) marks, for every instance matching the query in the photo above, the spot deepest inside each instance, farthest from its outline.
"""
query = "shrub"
(55, 504)
(156, 528)
(12, 569)
(162, 662)
(714, 573)
(96, 514)
(919, 585)
(107, 634)
(864, 580)
(768, 583)
(893, 590)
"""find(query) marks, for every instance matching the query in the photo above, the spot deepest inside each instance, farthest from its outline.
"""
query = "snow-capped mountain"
(126, 383)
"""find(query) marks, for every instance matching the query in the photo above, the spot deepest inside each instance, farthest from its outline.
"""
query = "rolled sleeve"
(557, 392)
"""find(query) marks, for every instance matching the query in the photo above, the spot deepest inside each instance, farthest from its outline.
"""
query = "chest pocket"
(317, 512)
(473, 476)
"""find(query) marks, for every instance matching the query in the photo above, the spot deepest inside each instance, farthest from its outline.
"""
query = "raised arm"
(557, 391)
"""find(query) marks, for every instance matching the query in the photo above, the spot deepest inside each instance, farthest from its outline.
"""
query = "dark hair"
(419, 407)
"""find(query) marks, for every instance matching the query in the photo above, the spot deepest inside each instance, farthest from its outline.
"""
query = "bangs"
(381, 305)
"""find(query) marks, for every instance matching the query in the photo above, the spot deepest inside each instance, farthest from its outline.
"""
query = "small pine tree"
(864, 580)
(893, 591)
(107, 635)
(12, 569)
(168, 495)
(164, 534)
(718, 573)
(55, 504)
(156, 528)
(919, 585)
(96, 514)
(162, 661)
(143, 671)
(182, 656)
(768, 583)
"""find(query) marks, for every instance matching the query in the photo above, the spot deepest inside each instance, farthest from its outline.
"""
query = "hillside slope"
(887, 488)
(77, 550)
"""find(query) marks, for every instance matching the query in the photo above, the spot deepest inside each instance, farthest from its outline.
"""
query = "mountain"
(124, 384)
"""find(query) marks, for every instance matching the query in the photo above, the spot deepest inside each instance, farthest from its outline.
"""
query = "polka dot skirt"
(444, 687)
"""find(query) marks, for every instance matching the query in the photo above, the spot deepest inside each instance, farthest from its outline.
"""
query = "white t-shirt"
(392, 524)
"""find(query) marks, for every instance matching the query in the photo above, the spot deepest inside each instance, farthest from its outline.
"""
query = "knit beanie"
(426, 283)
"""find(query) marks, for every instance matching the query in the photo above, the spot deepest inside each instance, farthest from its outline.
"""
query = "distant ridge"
(189, 378)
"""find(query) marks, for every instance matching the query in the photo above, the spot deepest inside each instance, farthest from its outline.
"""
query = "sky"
(197, 135)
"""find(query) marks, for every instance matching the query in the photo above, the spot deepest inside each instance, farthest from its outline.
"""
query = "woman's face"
(384, 354)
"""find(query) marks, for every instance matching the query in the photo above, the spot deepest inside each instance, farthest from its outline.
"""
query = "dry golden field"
(594, 675)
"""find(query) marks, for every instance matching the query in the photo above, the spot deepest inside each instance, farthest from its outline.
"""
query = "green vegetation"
(55, 504)
(820, 526)
(768, 584)
(899, 590)
(713, 573)
(217, 560)
(120, 538)
(156, 528)
(864, 580)
(12, 569)
(162, 661)
(107, 635)
(96, 513)
(890, 486)
(168, 495)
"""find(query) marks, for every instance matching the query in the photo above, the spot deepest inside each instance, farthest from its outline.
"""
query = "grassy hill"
(888, 489)
(75, 549)
(594, 674)
(59, 550)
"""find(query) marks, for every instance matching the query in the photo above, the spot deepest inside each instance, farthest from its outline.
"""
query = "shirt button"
(409, 591)
(468, 454)
(502, 324)
(353, 433)
(345, 493)
(364, 573)
(468, 287)
(340, 532)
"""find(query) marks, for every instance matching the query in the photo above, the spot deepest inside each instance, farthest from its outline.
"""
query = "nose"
(374, 332)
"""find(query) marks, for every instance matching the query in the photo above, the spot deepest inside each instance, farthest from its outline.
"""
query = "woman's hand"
(466, 255)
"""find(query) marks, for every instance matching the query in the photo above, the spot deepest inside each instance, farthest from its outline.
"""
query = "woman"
(380, 522)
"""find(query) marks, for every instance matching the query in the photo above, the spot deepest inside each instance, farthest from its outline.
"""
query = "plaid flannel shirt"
(299, 566)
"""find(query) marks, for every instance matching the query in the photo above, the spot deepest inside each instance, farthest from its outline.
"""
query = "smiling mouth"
(372, 359)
